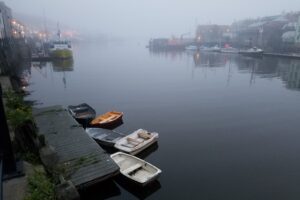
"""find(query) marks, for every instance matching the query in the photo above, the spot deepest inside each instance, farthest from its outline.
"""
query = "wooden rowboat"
(107, 120)
(135, 169)
(104, 136)
(136, 141)
(83, 113)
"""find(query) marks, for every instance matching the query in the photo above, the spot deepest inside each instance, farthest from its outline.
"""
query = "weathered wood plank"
(84, 161)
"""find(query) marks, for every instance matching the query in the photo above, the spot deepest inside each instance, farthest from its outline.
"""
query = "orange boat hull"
(108, 120)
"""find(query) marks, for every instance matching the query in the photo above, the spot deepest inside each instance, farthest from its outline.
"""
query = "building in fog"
(5, 21)
(263, 32)
(213, 34)
(272, 33)
(298, 31)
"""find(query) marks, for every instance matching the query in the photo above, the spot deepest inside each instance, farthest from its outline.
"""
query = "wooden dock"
(80, 158)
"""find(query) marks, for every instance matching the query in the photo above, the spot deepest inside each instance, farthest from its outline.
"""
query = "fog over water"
(228, 123)
(155, 18)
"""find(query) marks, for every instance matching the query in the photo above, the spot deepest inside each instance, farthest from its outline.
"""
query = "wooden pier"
(81, 160)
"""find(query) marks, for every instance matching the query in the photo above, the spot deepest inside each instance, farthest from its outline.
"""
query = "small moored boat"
(229, 50)
(256, 52)
(136, 141)
(191, 48)
(83, 113)
(136, 169)
(108, 119)
(104, 136)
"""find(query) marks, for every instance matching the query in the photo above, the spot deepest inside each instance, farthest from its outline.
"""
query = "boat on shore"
(135, 169)
(107, 120)
(104, 137)
(255, 52)
(83, 113)
(136, 141)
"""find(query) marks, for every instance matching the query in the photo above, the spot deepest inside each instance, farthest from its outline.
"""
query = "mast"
(58, 31)
(45, 25)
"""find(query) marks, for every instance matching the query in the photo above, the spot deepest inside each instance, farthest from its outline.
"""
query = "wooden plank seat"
(132, 168)
(144, 135)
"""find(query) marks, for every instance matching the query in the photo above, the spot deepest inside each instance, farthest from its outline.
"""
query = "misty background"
(146, 19)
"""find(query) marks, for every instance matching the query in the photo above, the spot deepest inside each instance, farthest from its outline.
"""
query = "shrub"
(40, 187)
(17, 113)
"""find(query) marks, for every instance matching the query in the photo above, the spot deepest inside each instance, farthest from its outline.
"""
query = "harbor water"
(228, 124)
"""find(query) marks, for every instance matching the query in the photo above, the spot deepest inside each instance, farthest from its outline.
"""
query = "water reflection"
(137, 191)
(63, 65)
(286, 69)
(238, 130)
(103, 190)
(173, 55)
(290, 73)
(209, 59)
(56, 66)
(144, 154)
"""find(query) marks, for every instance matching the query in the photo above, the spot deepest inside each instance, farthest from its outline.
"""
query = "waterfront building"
(262, 32)
(5, 21)
(297, 36)
(272, 33)
(213, 34)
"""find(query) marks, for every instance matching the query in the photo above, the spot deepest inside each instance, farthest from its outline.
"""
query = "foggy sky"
(149, 18)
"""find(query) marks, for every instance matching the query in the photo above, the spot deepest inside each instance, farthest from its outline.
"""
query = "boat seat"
(144, 135)
(132, 140)
(132, 168)
(110, 118)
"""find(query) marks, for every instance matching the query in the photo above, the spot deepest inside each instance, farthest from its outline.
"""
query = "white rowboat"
(136, 141)
(136, 169)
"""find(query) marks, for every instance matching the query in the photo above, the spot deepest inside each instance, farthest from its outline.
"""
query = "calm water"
(229, 125)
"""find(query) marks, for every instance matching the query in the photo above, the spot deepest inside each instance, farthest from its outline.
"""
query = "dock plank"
(85, 162)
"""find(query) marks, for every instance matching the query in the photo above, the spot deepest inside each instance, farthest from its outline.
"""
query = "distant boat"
(252, 52)
(191, 48)
(229, 50)
(135, 169)
(83, 113)
(60, 49)
(210, 49)
(216, 49)
(136, 141)
(108, 119)
(104, 136)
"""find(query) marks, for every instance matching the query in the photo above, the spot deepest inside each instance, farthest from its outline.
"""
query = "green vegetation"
(40, 187)
(30, 157)
(17, 112)
(68, 168)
